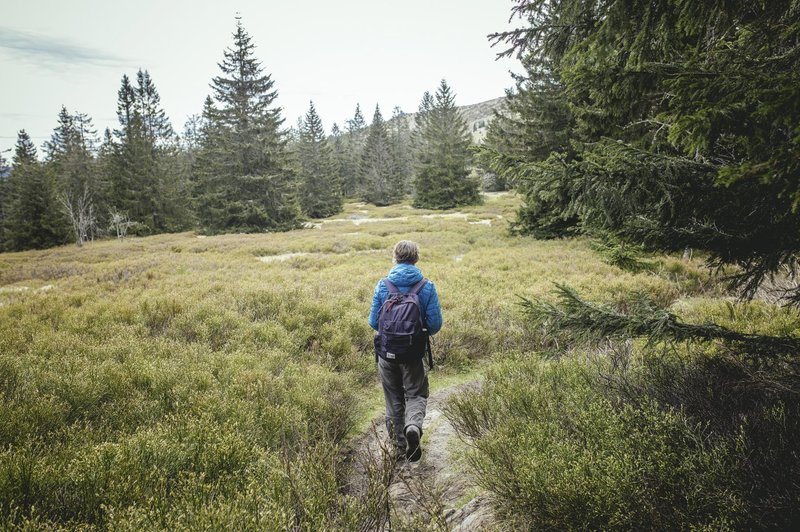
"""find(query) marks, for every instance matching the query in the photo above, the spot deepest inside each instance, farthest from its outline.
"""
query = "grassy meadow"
(189, 382)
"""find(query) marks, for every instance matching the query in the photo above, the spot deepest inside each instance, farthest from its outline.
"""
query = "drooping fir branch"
(583, 320)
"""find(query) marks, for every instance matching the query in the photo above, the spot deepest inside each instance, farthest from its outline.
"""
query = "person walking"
(405, 312)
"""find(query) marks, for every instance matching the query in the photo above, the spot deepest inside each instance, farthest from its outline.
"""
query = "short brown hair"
(406, 252)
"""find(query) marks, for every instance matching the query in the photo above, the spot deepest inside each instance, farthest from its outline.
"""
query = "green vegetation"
(244, 181)
(559, 454)
(671, 130)
(320, 182)
(136, 172)
(186, 381)
(441, 154)
(350, 156)
(180, 381)
(400, 148)
(620, 435)
(31, 216)
(234, 168)
(675, 127)
(380, 185)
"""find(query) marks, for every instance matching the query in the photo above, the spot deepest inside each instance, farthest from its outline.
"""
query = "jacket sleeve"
(433, 312)
(377, 301)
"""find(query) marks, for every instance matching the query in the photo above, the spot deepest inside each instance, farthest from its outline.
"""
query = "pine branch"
(585, 321)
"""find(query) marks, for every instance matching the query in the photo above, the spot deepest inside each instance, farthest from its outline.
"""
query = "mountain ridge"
(477, 115)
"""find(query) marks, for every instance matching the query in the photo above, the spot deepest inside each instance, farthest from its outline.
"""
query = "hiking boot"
(414, 451)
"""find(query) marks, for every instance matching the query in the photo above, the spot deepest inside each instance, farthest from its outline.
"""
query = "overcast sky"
(336, 53)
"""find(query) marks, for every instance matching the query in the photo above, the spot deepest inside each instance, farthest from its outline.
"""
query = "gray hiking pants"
(405, 388)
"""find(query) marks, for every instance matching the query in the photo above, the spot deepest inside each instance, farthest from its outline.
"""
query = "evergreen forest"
(236, 167)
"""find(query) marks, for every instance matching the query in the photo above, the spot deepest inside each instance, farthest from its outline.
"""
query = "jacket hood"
(404, 275)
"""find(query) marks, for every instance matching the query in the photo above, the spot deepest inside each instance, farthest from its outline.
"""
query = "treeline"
(235, 168)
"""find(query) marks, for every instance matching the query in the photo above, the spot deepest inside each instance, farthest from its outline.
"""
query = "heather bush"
(643, 421)
(557, 454)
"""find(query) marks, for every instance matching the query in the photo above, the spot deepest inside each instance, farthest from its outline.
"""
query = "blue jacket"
(404, 276)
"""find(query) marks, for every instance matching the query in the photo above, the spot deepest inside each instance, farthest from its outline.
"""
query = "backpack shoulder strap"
(417, 287)
(391, 287)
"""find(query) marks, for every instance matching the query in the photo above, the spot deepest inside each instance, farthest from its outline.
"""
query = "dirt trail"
(434, 493)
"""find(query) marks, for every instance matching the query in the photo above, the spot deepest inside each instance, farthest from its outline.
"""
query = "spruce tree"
(681, 127)
(319, 182)
(104, 169)
(338, 147)
(131, 176)
(70, 157)
(34, 219)
(419, 142)
(5, 199)
(156, 127)
(24, 150)
(354, 147)
(188, 151)
(244, 180)
(533, 122)
(400, 147)
(63, 135)
(148, 183)
(174, 188)
(377, 169)
(70, 152)
(442, 157)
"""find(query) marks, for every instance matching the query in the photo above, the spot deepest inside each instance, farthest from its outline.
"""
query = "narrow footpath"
(434, 493)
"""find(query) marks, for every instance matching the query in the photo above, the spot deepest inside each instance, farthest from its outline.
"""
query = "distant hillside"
(477, 115)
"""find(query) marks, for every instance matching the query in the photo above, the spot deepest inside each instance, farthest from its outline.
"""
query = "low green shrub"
(561, 449)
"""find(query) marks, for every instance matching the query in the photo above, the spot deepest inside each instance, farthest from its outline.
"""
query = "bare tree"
(120, 223)
(80, 209)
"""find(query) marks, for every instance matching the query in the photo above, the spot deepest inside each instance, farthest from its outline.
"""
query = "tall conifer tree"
(442, 177)
(244, 181)
(70, 152)
(379, 185)
(34, 219)
(156, 127)
(319, 182)
(24, 150)
(674, 129)
(70, 157)
(418, 140)
(105, 167)
(339, 149)
(5, 199)
(400, 147)
(147, 182)
(354, 146)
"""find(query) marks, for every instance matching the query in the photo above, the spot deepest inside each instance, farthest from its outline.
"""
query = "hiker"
(404, 322)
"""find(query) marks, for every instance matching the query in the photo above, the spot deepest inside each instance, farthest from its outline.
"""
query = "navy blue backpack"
(402, 335)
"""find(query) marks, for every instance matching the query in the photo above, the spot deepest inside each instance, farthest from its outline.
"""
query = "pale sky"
(336, 53)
